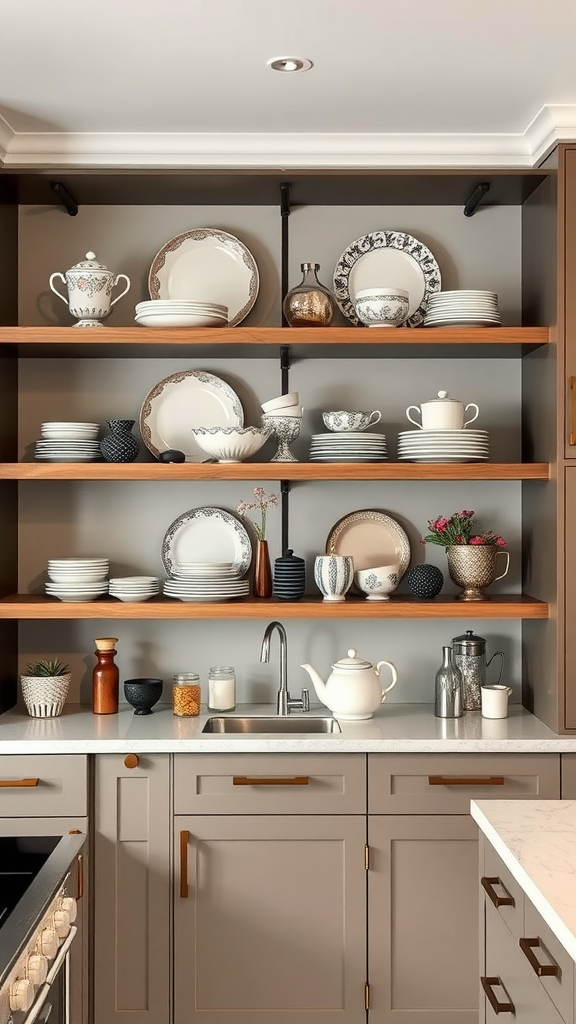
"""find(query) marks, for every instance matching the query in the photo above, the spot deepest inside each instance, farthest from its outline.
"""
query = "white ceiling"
(185, 82)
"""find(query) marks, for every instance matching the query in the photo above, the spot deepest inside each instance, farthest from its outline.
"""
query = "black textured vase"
(119, 445)
(289, 577)
(425, 581)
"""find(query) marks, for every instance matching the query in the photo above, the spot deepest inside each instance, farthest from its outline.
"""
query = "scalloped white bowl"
(230, 444)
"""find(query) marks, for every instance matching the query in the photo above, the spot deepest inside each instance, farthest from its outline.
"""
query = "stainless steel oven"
(41, 879)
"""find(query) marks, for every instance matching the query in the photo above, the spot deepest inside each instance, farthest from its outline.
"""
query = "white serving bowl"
(288, 410)
(378, 582)
(230, 444)
(385, 306)
(282, 402)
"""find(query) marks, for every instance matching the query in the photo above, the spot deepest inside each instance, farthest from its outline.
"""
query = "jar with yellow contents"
(186, 694)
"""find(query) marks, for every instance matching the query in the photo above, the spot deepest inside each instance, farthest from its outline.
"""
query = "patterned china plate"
(387, 258)
(207, 533)
(372, 538)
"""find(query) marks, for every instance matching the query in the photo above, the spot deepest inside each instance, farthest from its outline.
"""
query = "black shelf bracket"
(284, 215)
(476, 198)
(284, 368)
(62, 193)
(284, 492)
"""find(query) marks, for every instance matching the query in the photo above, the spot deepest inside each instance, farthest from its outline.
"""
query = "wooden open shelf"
(274, 471)
(266, 341)
(36, 606)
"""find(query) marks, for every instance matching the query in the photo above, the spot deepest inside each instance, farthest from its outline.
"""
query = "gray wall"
(127, 521)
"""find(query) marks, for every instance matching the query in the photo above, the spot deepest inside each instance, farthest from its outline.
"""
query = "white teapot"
(442, 413)
(89, 285)
(353, 691)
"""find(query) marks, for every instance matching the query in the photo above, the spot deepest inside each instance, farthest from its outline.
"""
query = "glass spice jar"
(221, 688)
(186, 694)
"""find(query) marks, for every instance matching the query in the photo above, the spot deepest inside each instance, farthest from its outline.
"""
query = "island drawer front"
(269, 784)
(43, 785)
(506, 887)
(445, 783)
(550, 953)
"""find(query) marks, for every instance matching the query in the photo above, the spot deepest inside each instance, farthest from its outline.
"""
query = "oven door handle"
(61, 956)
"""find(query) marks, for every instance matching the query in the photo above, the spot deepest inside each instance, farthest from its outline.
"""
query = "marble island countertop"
(536, 839)
(396, 728)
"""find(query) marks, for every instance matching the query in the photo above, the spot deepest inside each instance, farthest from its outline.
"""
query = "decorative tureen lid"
(91, 265)
(443, 397)
(352, 661)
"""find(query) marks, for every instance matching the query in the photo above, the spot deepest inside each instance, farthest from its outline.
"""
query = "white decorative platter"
(207, 533)
(372, 538)
(209, 266)
(387, 258)
(182, 402)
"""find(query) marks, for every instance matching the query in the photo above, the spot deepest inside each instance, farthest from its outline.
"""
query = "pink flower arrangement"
(460, 528)
(263, 502)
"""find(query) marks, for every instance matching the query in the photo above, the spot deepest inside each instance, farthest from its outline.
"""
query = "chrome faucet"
(284, 702)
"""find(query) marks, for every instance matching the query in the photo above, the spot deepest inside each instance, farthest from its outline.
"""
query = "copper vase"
(262, 571)
(473, 567)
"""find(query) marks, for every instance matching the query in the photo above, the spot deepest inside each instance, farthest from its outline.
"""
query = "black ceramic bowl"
(143, 694)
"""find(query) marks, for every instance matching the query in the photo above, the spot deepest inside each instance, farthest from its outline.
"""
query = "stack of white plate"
(180, 313)
(443, 445)
(465, 308)
(348, 446)
(77, 579)
(68, 442)
(134, 588)
(206, 581)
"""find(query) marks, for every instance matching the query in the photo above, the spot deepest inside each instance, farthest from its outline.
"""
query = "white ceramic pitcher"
(442, 413)
(89, 285)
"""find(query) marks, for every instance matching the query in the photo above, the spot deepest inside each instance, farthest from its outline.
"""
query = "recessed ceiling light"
(289, 64)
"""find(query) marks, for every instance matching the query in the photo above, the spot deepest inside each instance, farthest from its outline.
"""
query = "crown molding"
(285, 151)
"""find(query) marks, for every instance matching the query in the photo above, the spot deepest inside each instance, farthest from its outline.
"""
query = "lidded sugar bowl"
(89, 284)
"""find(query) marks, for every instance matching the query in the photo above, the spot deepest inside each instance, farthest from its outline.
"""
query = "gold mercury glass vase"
(473, 567)
(309, 304)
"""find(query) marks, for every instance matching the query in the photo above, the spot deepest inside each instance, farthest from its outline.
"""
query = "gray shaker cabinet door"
(269, 919)
(423, 924)
(132, 887)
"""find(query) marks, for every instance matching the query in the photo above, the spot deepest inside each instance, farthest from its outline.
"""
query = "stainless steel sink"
(272, 723)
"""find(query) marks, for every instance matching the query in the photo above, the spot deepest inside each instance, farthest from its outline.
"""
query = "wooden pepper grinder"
(105, 677)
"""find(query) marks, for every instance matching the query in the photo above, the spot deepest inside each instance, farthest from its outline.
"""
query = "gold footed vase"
(474, 567)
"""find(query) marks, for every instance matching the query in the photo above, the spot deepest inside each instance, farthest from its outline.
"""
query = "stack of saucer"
(463, 308)
(68, 442)
(348, 446)
(180, 313)
(206, 581)
(134, 588)
(77, 579)
(443, 445)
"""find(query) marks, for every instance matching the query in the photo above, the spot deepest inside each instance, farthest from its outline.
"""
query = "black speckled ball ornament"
(425, 581)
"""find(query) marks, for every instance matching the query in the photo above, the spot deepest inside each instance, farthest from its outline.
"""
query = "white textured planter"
(45, 696)
(333, 575)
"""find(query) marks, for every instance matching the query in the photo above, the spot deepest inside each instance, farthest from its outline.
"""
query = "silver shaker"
(448, 689)
(470, 657)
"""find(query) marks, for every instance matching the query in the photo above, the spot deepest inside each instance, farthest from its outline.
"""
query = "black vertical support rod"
(284, 214)
(284, 493)
(68, 201)
(476, 198)
(284, 368)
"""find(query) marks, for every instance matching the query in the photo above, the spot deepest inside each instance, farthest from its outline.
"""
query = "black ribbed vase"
(289, 577)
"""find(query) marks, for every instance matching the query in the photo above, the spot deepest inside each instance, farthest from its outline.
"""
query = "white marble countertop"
(536, 839)
(396, 728)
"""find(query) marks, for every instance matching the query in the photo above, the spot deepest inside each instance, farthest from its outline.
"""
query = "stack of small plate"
(77, 579)
(443, 446)
(464, 308)
(134, 588)
(348, 446)
(180, 313)
(206, 581)
(68, 442)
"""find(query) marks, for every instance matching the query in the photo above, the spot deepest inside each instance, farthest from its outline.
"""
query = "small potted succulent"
(45, 686)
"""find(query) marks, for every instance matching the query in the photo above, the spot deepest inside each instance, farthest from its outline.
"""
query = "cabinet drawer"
(569, 776)
(269, 784)
(445, 783)
(43, 785)
(499, 885)
(543, 951)
(510, 981)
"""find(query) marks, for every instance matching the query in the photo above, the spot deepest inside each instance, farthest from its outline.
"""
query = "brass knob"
(131, 760)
